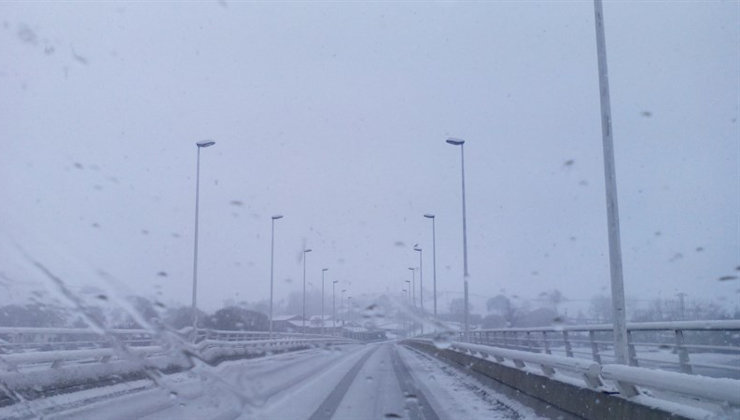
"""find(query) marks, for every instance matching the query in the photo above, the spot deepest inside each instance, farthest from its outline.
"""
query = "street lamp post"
(334, 307)
(413, 286)
(460, 142)
(272, 264)
(421, 278)
(409, 290)
(405, 292)
(341, 305)
(621, 349)
(421, 284)
(199, 145)
(434, 259)
(323, 270)
(349, 307)
(305, 251)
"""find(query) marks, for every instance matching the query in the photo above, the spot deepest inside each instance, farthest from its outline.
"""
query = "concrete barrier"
(578, 400)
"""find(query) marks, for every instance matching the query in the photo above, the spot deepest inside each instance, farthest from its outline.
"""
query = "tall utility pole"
(413, 286)
(272, 264)
(434, 259)
(305, 251)
(200, 145)
(461, 143)
(421, 277)
(334, 307)
(323, 271)
(612, 209)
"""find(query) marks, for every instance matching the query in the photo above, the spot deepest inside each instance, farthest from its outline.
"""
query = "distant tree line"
(510, 311)
(137, 312)
(501, 311)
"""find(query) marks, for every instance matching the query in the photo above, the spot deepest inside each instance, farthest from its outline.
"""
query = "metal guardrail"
(19, 339)
(34, 361)
(716, 389)
(548, 364)
(687, 346)
(626, 379)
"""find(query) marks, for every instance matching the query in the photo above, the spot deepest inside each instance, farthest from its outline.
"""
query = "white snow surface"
(357, 382)
(460, 396)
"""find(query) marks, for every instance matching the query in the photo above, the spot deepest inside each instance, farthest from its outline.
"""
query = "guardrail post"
(683, 353)
(547, 370)
(529, 342)
(592, 378)
(632, 353)
(547, 343)
(518, 340)
(594, 346)
(627, 389)
(568, 348)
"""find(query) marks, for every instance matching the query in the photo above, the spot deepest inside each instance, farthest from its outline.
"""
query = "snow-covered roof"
(286, 317)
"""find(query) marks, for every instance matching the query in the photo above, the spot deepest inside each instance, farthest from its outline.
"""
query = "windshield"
(345, 173)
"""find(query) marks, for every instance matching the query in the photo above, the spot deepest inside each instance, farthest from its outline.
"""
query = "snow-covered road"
(374, 381)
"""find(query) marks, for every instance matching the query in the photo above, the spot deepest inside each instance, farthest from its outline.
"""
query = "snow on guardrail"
(42, 363)
(715, 389)
(629, 380)
(707, 347)
(587, 369)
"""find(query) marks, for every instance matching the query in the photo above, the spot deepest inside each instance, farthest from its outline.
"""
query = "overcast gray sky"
(335, 115)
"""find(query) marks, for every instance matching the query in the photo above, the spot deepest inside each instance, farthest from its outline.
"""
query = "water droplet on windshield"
(373, 311)
(443, 340)
(558, 323)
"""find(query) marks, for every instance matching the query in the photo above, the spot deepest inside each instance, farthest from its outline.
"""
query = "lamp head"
(307, 250)
(277, 216)
(455, 142)
(429, 216)
(205, 143)
(324, 269)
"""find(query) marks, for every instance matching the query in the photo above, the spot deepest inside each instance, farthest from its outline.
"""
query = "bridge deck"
(375, 381)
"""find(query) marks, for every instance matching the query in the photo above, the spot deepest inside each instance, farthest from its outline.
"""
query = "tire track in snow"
(417, 404)
(331, 403)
